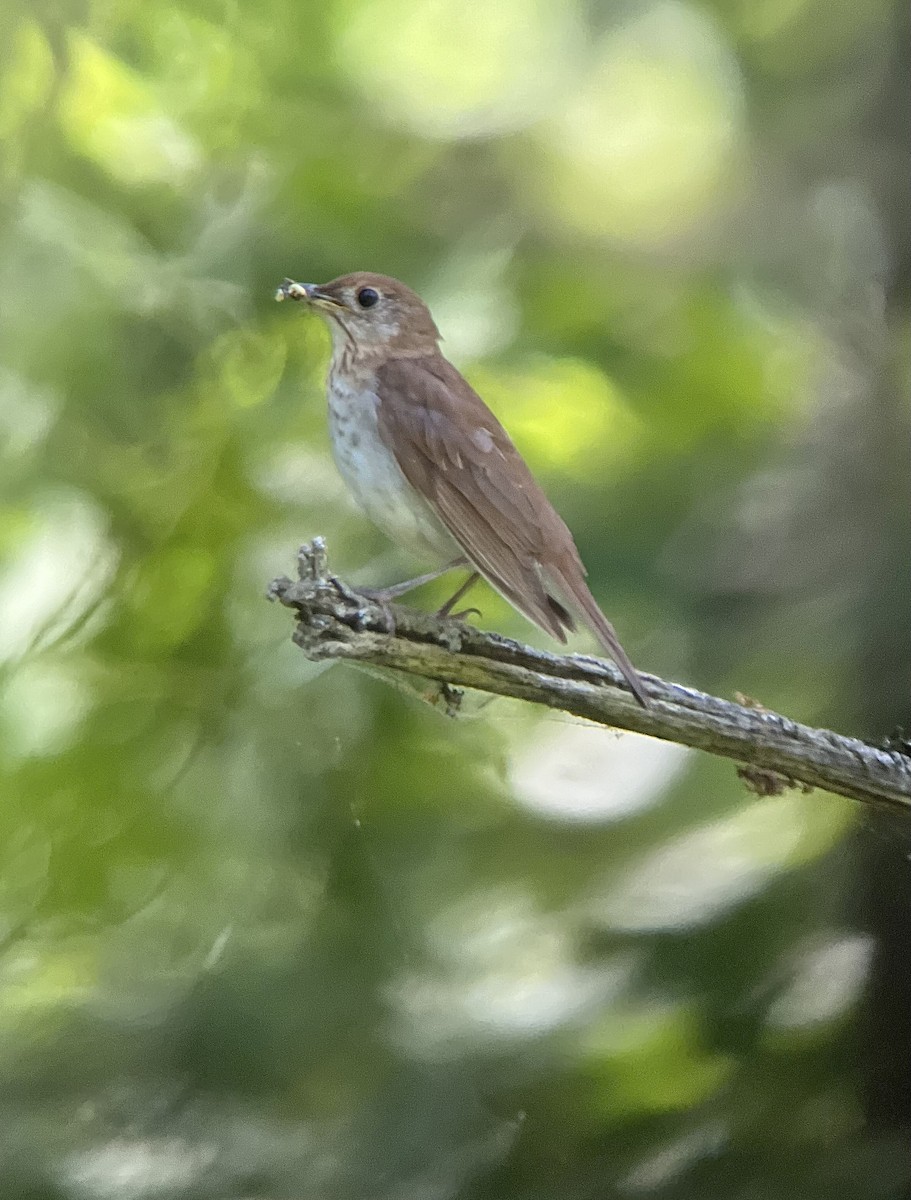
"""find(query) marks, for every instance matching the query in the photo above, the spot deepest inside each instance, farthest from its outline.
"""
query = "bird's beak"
(290, 290)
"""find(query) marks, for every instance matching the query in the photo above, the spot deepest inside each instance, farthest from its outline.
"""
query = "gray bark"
(335, 622)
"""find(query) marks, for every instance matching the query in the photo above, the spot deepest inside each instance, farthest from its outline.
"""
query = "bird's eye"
(367, 297)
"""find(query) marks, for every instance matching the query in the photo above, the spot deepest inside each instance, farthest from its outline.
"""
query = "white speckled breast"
(374, 477)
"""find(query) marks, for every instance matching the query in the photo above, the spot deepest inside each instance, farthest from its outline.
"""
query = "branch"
(334, 621)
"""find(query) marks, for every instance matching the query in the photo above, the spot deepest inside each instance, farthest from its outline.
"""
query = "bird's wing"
(459, 458)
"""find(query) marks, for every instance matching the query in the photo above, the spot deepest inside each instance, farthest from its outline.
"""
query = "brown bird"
(433, 467)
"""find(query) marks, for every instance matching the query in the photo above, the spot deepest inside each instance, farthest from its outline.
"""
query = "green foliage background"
(272, 930)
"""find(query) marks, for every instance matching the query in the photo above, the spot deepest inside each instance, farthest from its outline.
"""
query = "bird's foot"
(446, 609)
(379, 597)
(344, 590)
(462, 615)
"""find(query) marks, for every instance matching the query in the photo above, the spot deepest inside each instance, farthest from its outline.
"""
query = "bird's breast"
(372, 474)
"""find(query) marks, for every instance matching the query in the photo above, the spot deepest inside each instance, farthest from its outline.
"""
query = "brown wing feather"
(456, 454)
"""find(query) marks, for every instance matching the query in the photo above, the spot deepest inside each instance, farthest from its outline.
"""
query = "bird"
(431, 465)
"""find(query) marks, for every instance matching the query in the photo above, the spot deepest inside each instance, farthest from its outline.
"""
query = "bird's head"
(375, 314)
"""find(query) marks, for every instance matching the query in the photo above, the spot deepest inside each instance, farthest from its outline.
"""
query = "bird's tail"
(575, 592)
(605, 634)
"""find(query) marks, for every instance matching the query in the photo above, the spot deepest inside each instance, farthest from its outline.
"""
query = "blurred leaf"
(110, 114)
(652, 1061)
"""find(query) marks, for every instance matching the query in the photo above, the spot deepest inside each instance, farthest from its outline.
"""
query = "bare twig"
(334, 621)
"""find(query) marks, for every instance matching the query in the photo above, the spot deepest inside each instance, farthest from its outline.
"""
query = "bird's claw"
(346, 592)
(374, 596)
(461, 615)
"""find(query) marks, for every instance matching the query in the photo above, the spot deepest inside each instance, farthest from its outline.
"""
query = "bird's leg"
(385, 594)
(382, 596)
(446, 609)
